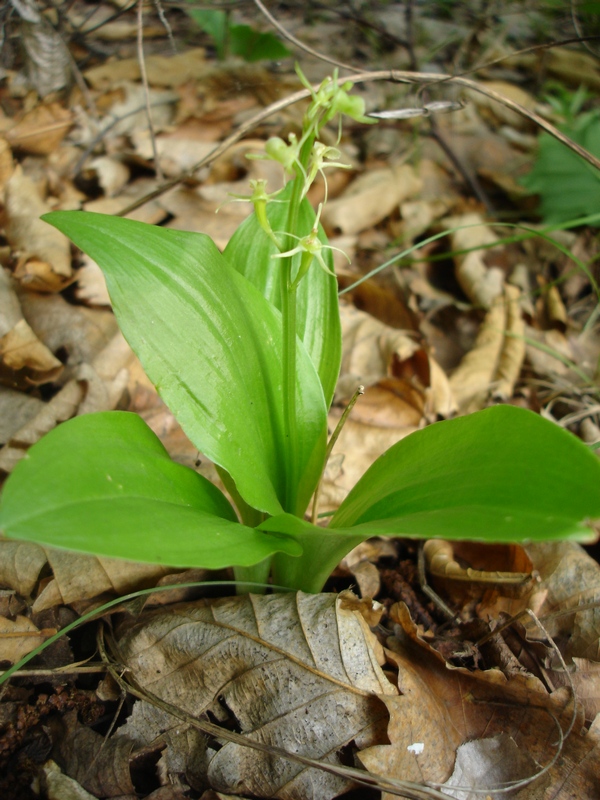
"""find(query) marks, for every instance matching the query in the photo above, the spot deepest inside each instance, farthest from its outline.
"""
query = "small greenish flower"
(331, 99)
(288, 155)
(320, 159)
(259, 198)
(310, 247)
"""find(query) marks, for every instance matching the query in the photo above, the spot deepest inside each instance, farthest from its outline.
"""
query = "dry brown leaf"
(513, 347)
(109, 366)
(441, 562)
(498, 111)
(371, 198)
(396, 366)
(20, 565)
(60, 787)
(30, 361)
(296, 671)
(6, 163)
(99, 764)
(80, 577)
(541, 358)
(472, 381)
(28, 234)
(41, 130)
(493, 761)
(161, 70)
(16, 409)
(569, 578)
(480, 283)
(19, 637)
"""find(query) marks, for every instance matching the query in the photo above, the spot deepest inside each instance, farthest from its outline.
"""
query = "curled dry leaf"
(493, 365)
(165, 71)
(371, 198)
(480, 283)
(441, 562)
(20, 565)
(293, 670)
(45, 260)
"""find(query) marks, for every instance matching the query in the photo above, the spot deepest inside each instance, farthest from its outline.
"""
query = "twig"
(144, 77)
(291, 38)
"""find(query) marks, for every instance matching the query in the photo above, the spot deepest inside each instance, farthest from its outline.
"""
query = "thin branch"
(144, 77)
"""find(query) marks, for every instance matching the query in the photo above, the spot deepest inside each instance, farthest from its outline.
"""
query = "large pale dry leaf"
(48, 60)
(35, 240)
(371, 198)
(60, 787)
(293, 670)
(513, 347)
(480, 283)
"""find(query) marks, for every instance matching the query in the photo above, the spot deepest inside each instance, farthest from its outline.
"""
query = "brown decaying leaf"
(59, 786)
(293, 670)
(493, 365)
(441, 562)
(24, 359)
(161, 70)
(20, 565)
(480, 705)
(480, 283)
(19, 637)
(370, 198)
(33, 238)
(41, 130)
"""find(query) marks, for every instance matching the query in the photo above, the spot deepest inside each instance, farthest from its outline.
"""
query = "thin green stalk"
(288, 311)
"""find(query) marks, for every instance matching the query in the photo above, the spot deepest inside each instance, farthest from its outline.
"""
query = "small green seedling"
(244, 346)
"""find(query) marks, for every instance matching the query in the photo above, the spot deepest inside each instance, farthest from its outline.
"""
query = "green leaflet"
(501, 475)
(317, 312)
(211, 344)
(104, 484)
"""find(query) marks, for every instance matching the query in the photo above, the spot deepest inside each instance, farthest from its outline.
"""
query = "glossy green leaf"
(317, 314)
(501, 475)
(104, 484)
(211, 344)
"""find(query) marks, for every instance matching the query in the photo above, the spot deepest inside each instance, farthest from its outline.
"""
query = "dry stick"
(291, 38)
(397, 76)
(408, 789)
(144, 77)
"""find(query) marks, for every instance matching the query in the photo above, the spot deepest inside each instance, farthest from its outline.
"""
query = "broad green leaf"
(567, 185)
(104, 484)
(318, 317)
(252, 45)
(215, 23)
(211, 344)
(501, 475)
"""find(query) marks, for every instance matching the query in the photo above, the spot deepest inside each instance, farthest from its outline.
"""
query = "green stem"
(288, 311)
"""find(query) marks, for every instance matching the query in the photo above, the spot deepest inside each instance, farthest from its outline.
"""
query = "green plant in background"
(568, 186)
(237, 40)
(244, 346)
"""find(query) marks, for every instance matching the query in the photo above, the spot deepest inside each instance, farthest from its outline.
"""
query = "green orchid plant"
(244, 346)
